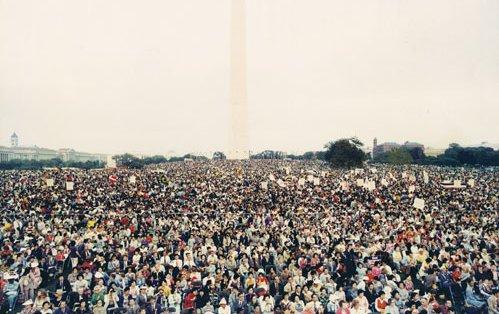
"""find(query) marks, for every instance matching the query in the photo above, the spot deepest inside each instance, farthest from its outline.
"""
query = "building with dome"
(16, 151)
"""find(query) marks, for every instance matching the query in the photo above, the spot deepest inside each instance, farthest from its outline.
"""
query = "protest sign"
(418, 203)
(69, 185)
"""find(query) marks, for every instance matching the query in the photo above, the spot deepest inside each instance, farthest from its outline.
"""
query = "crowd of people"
(249, 237)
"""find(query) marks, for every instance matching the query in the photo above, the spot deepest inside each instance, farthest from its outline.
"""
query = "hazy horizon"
(112, 77)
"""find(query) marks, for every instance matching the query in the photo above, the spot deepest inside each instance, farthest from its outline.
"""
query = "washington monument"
(238, 103)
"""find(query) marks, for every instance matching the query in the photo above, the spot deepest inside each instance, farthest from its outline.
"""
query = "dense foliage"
(345, 153)
(269, 154)
(32, 164)
(455, 155)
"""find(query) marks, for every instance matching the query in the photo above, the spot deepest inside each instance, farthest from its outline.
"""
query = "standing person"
(493, 302)
(35, 278)
(380, 303)
(11, 291)
(190, 301)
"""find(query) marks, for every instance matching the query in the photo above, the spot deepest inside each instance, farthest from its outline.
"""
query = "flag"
(112, 179)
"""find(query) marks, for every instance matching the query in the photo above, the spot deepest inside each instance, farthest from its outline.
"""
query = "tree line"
(342, 153)
(33, 164)
(455, 155)
(348, 153)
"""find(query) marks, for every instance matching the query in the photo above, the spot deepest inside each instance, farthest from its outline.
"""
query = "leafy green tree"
(399, 156)
(219, 156)
(129, 161)
(417, 154)
(157, 159)
(345, 153)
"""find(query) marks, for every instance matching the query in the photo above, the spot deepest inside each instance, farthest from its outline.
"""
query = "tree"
(219, 156)
(157, 159)
(129, 161)
(269, 154)
(399, 156)
(417, 154)
(345, 153)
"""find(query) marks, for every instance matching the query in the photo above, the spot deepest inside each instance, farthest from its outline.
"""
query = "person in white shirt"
(224, 309)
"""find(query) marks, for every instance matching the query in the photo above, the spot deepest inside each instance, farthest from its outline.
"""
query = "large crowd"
(249, 237)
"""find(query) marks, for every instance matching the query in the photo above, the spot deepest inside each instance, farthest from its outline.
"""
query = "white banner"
(264, 185)
(360, 182)
(271, 177)
(471, 182)
(310, 178)
(132, 179)
(418, 203)
(384, 182)
(49, 182)
(426, 179)
(70, 185)
(412, 188)
(344, 185)
(317, 181)
(281, 183)
(371, 185)
(359, 171)
(301, 181)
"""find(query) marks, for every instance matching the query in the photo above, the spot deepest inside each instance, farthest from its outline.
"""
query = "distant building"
(389, 146)
(430, 151)
(39, 153)
(14, 140)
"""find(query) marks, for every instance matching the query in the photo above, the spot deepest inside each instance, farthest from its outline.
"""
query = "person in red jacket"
(190, 301)
(380, 303)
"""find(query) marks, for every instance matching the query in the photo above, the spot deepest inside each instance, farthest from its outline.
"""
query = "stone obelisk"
(238, 102)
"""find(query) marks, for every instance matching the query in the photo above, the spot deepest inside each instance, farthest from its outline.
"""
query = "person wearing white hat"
(223, 309)
(28, 307)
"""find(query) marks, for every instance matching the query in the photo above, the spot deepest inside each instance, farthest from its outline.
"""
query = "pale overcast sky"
(153, 76)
